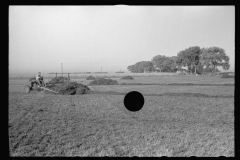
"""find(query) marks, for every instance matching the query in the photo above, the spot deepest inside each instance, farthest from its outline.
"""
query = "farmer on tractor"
(37, 83)
(39, 79)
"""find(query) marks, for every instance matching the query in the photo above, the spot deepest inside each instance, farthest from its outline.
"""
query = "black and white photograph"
(121, 80)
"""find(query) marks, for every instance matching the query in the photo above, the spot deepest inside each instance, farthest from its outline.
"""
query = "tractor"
(35, 85)
(43, 86)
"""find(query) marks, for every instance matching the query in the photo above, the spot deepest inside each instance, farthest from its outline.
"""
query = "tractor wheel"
(27, 89)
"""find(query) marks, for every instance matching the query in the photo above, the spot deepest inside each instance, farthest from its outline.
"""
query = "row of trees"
(195, 59)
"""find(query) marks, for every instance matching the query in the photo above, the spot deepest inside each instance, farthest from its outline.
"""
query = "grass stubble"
(176, 120)
(99, 125)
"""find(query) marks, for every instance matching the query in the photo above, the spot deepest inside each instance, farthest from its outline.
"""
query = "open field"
(156, 89)
(109, 75)
(180, 79)
(17, 85)
(175, 120)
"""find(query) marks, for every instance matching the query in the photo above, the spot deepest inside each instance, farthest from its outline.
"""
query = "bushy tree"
(165, 64)
(210, 70)
(214, 57)
(147, 66)
(132, 68)
(199, 69)
(190, 58)
(197, 60)
(174, 65)
(140, 67)
(158, 62)
(169, 65)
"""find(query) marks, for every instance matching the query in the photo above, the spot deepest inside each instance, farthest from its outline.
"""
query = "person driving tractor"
(39, 79)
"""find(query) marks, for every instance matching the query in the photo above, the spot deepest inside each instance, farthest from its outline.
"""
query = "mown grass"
(168, 89)
(175, 120)
(180, 79)
(147, 78)
(99, 125)
(17, 85)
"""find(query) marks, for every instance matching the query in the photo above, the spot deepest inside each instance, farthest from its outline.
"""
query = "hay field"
(85, 75)
(175, 120)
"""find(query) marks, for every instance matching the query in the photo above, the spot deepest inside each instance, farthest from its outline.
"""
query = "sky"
(86, 38)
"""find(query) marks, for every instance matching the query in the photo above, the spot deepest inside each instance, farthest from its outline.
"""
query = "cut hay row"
(90, 78)
(127, 77)
(178, 84)
(58, 80)
(103, 81)
(228, 76)
(70, 88)
(198, 95)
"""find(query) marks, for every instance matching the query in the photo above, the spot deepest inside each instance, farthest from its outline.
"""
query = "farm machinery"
(42, 86)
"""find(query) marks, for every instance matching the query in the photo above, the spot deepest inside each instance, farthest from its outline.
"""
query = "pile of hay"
(103, 81)
(127, 77)
(227, 76)
(90, 78)
(71, 88)
(58, 80)
(182, 73)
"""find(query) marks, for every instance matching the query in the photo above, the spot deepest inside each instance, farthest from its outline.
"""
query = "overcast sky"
(84, 38)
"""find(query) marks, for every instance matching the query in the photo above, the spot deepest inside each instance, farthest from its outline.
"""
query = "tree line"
(196, 60)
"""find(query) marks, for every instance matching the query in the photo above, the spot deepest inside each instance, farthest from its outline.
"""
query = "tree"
(189, 58)
(149, 68)
(132, 68)
(164, 64)
(214, 57)
(209, 69)
(178, 62)
(174, 65)
(169, 65)
(140, 67)
(158, 62)
(199, 69)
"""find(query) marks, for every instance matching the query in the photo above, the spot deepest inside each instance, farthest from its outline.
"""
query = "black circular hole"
(134, 101)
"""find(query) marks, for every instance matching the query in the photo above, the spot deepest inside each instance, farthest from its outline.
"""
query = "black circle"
(134, 101)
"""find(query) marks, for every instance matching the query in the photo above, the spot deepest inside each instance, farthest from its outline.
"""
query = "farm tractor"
(45, 86)
(36, 86)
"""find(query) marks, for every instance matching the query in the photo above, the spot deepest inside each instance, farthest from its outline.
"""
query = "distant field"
(180, 79)
(112, 75)
(178, 122)
(17, 85)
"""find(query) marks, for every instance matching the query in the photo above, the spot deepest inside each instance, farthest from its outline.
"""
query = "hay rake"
(43, 87)
(36, 86)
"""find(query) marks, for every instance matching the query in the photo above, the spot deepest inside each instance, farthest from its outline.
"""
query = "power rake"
(35, 86)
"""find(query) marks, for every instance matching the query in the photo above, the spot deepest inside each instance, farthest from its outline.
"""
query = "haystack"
(71, 88)
(90, 78)
(103, 81)
(58, 80)
(127, 77)
(227, 76)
